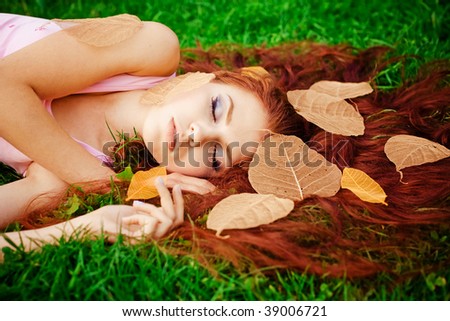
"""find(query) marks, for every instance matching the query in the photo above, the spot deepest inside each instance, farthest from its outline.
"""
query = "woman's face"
(204, 131)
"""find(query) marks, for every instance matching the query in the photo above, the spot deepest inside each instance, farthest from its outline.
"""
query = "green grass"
(91, 270)
(412, 27)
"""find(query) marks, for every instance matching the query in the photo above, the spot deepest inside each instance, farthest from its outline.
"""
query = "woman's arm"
(138, 222)
(35, 191)
(59, 65)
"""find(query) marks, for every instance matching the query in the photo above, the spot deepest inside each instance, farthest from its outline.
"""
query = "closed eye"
(215, 163)
(216, 108)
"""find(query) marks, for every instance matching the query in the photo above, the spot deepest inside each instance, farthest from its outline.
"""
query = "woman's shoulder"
(145, 48)
(18, 31)
(151, 50)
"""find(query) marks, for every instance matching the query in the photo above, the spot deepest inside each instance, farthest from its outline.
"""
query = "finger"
(134, 220)
(166, 198)
(164, 225)
(144, 226)
(146, 208)
(189, 183)
(197, 189)
(150, 227)
(178, 204)
(152, 211)
(208, 185)
(201, 185)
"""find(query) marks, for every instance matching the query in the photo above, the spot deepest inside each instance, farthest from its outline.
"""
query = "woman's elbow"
(162, 52)
(171, 46)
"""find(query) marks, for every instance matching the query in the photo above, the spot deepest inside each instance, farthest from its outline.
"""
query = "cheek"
(153, 147)
(189, 161)
(150, 130)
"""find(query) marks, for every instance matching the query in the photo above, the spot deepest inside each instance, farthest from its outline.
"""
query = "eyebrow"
(230, 110)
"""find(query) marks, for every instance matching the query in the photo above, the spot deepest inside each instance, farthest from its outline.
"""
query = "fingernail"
(137, 203)
(177, 188)
(159, 180)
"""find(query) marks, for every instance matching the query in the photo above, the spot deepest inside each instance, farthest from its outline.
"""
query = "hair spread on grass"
(339, 235)
(342, 235)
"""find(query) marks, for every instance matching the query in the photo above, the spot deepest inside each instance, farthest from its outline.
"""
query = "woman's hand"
(189, 183)
(141, 221)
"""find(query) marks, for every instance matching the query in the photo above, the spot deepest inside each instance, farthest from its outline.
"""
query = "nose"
(193, 135)
(197, 134)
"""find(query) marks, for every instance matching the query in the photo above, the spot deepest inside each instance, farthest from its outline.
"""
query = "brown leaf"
(256, 72)
(329, 113)
(142, 185)
(286, 167)
(158, 94)
(363, 186)
(247, 210)
(406, 150)
(102, 32)
(342, 90)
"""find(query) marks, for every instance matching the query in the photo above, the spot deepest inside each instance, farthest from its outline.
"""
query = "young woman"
(340, 235)
(196, 133)
(40, 62)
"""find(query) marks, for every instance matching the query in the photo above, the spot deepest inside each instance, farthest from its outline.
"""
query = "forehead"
(245, 103)
(248, 122)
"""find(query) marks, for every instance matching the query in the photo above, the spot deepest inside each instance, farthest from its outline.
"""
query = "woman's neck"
(93, 119)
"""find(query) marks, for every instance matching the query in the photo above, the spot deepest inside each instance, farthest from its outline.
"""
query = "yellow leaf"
(102, 32)
(256, 72)
(363, 186)
(158, 94)
(286, 167)
(342, 90)
(406, 150)
(332, 114)
(247, 210)
(142, 185)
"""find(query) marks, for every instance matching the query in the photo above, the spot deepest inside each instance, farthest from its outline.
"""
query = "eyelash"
(213, 107)
(215, 163)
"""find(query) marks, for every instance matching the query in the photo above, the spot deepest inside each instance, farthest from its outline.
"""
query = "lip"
(171, 134)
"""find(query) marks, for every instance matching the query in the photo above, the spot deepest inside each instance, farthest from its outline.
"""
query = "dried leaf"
(406, 150)
(363, 186)
(158, 94)
(342, 90)
(102, 32)
(329, 113)
(142, 185)
(256, 72)
(247, 210)
(286, 167)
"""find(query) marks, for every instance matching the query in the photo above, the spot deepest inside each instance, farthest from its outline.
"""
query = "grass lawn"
(92, 270)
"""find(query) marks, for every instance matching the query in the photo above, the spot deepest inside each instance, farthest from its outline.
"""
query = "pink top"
(17, 32)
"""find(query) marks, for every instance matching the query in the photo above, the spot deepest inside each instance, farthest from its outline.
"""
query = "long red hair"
(340, 235)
